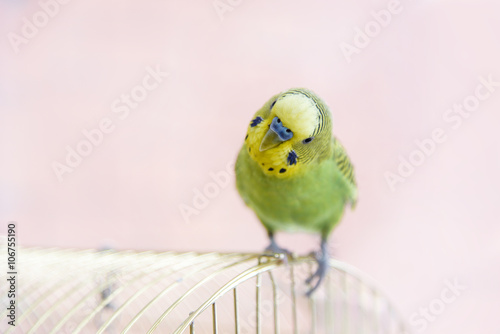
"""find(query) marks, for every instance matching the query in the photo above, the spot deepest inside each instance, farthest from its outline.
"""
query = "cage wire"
(108, 291)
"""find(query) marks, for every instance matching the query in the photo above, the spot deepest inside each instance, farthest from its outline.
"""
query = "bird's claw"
(275, 249)
(320, 273)
(278, 252)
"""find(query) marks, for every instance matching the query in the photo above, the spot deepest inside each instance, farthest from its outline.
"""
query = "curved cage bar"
(107, 291)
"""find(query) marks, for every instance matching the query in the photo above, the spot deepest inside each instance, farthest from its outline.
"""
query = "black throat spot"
(292, 158)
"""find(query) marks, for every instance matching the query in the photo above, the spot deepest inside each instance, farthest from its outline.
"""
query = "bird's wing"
(345, 167)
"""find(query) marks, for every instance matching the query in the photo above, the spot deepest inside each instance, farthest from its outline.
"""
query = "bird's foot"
(321, 271)
(275, 249)
(278, 252)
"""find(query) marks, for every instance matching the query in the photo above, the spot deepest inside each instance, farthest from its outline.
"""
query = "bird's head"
(292, 130)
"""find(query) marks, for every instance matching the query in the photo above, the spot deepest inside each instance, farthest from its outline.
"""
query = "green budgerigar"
(294, 173)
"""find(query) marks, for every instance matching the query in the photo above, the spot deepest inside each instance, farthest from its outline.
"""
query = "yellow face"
(288, 132)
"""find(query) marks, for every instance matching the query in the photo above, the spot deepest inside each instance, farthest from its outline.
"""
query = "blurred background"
(120, 122)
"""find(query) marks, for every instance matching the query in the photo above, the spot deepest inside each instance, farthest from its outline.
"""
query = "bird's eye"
(307, 140)
(272, 104)
(288, 130)
(279, 120)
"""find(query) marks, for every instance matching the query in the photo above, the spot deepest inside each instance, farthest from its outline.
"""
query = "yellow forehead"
(298, 113)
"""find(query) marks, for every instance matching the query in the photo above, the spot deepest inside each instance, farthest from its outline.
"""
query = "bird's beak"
(271, 139)
(276, 134)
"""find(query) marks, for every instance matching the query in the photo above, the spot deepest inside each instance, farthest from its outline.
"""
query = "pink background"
(440, 224)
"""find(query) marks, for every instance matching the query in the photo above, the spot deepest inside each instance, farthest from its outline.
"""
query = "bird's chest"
(305, 201)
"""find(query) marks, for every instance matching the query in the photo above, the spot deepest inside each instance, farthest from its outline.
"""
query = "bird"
(294, 173)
